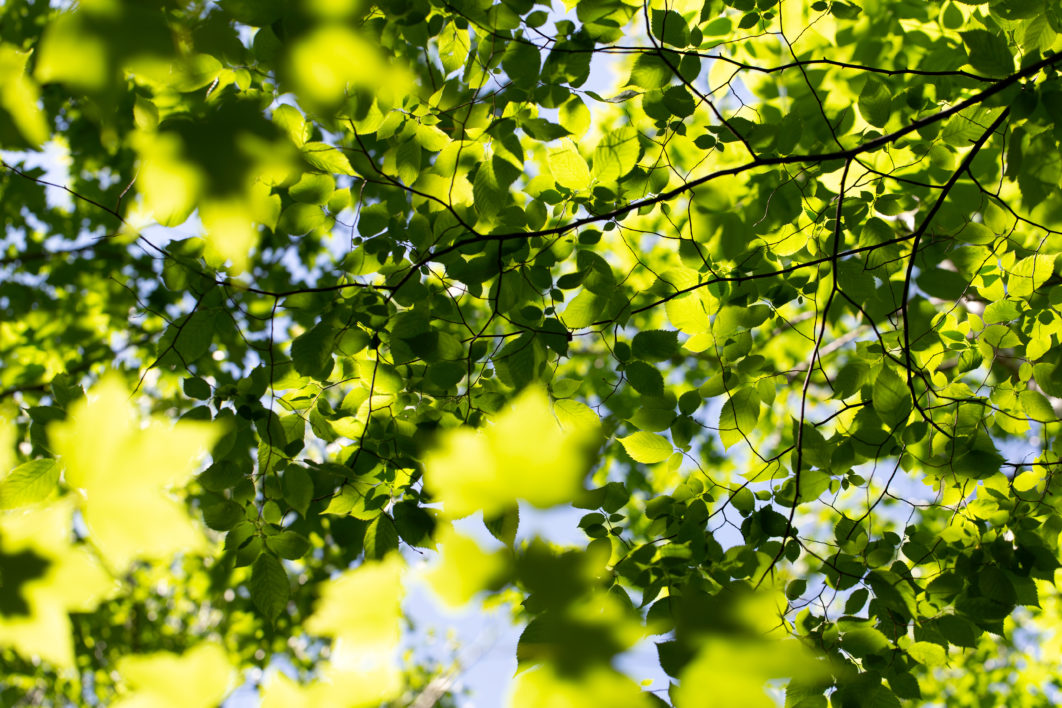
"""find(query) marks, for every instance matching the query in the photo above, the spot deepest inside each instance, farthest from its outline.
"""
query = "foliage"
(779, 309)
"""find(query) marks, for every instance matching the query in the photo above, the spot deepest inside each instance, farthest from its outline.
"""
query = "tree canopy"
(293, 292)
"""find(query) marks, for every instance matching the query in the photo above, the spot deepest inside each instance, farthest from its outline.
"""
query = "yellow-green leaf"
(616, 154)
(199, 678)
(55, 578)
(126, 473)
(598, 686)
(1027, 481)
(568, 167)
(464, 569)
(19, 96)
(373, 619)
(524, 454)
(29, 483)
(647, 448)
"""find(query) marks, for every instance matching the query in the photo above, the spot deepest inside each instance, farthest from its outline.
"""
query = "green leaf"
(221, 476)
(325, 158)
(575, 416)
(195, 387)
(585, 309)
(1030, 274)
(856, 601)
(864, 642)
(312, 188)
(519, 362)
(290, 120)
(311, 351)
(1027, 481)
(414, 524)
(616, 155)
(927, 653)
(739, 416)
(988, 52)
(381, 537)
(29, 483)
(219, 513)
(575, 117)
(256, 13)
(655, 345)
(731, 319)
(521, 63)
(298, 488)
(488, 189)
(1039, 33)
(647, 448)
(875, 102)
(193, 335)
(976, 233)
(288, 544)
(568, 167)
(669, 27)
(995, 585)
(1037, 407)
(958, 630)
(299, 219)
(504, 525)
(891, 397)
(645, 379)
(650, 72)
(269, 586)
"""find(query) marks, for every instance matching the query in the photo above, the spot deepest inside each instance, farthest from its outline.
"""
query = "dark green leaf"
(298, 488)
(311, 351)
(988, 52)
(875, 102)
(645, 379)
(655, 345)
(269, 586)
(381, 537)
(414, 524)
(288, 544)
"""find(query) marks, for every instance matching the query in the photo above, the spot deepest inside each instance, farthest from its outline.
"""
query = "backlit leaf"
(892, 398)
(647, 448)
(199, 678)
(29, 483)
(568, 167)
(269, 585)
(524, 454)
(464, 569)
(125, 474)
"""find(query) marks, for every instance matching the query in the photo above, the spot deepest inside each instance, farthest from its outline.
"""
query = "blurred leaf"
(524, 455)
(124, 471)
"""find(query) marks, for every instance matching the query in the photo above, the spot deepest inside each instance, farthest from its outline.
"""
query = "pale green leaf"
(199, 678)
(647, 448)
(524, 454)
(124, 472)
(325, 158)
(568, 167)
(464, 569)
(616, 154)
(891, 397)
(29, 483)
